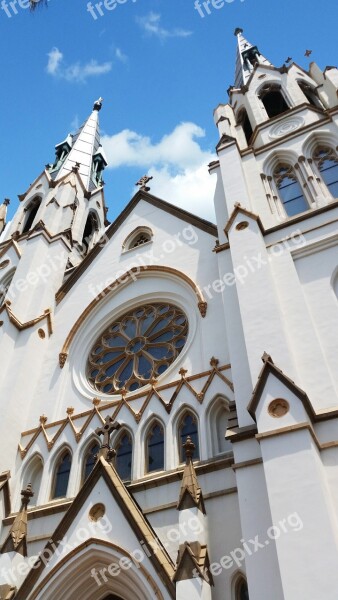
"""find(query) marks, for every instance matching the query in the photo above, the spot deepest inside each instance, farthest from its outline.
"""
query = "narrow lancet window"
(327, 163)
(188, 427)
(155, 448)
(124, 454)
(61, 477)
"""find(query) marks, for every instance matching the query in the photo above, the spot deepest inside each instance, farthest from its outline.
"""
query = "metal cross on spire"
(106, 430)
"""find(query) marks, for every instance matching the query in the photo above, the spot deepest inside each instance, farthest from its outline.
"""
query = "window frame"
(316, 159)
(154, 423)
(57, 464)
(117, 443)
(290, 172)
(181, 457)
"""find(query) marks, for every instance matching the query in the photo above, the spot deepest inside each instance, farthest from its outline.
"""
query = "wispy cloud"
(120, 55)
(151, 24)
(75, 72)
(177, 163)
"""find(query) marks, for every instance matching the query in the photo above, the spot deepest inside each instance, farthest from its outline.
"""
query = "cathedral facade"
(169, 386)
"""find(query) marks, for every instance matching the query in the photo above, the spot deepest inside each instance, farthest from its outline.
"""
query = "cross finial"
(238, 30)
(189, 448)
(6, 201)
(142, 183)
(106, 430)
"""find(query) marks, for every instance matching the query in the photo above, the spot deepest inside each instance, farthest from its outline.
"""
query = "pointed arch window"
(241, 590)
(310, 94)
(244, 121)
(90, 459)
(188, 426)
(124, 456)
(273, 100)
(290, 191)
(33, 475)
(31, 210)
(138, 237)
(155, 448)
(5, 285)
(327, 163)
(89, 231)
(61, 477)
(219, 418)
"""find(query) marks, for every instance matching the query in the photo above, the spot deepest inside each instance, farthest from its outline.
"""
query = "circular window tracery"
(138, 347)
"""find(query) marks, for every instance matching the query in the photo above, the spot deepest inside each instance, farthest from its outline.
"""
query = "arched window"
(5, 285)
(310, 93)
(327, 163)
(33, 475)
(89, 230)
(188, 427)
(31, 214)
(61, 476)
(124, 456)
(141, 235)
(241, 590)
(218, 419)
(289, 190)
(90, 459)
(155, 448)
(273, 100)
(244, 121)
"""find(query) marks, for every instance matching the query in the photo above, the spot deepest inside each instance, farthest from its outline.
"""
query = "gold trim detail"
(47, 314)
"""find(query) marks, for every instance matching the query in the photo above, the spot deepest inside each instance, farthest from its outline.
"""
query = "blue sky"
(161, 69)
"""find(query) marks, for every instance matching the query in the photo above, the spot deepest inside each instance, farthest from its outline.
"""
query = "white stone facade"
(260, 284)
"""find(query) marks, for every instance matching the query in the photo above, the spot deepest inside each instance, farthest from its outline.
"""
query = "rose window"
(137, 348)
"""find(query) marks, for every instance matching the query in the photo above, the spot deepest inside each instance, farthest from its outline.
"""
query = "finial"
(189, 448)
(308, 53)
(98, 104)
(27, 494)
(238, 30)
(6, 201)
(142, 183)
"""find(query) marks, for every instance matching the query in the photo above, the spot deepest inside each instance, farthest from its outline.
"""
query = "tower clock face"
(137, 348)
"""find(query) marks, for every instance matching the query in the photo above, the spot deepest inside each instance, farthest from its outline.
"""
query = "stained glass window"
(62, 476)
(290, 192)
(155, 448)
(137, 348)
(90, 460)
(327, 162)
(124, 455)
(188, 427)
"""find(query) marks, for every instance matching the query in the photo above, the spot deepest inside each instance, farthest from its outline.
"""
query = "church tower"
(276, 205)
(61, 217)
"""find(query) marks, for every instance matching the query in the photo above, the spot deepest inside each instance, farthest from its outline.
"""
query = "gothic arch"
(274, 98)
(84, 451)
(177, 424)
(5, 283)
(217, 416)
(243, 121)
(123, 467)
(71, 577)
(30, 212)
(310, 93)
(147, 429)
(237, 586)
(132, 238)
(317, 139)
(32, 473)
(92, 226)
(55, 464)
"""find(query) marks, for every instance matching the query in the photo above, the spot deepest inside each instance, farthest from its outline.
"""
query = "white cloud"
(151, 24)
(54, 59)
(120, 55)
(76, 72)
(177, 163)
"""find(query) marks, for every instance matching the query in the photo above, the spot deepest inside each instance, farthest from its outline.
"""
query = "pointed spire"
(190, 493)
(247, 56)
(17, 538)
(82, 152)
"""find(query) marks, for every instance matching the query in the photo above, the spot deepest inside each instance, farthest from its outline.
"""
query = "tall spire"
(82, 152)
(246, 57)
